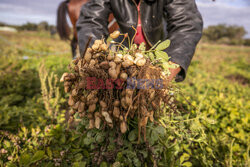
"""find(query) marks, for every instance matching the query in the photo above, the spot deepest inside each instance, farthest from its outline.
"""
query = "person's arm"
(93, 22)
(184, 27)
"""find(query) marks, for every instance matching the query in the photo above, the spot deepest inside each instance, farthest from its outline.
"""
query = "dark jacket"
(183, 24)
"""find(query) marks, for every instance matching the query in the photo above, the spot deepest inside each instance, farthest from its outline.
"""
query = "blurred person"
(176, 20)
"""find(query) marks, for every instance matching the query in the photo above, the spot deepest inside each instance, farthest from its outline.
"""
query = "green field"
(215, 96)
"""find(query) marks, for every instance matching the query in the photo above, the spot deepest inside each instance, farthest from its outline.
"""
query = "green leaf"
(167, 66)
(88, 140)
(74, 137)
(78, 157)
(104, 164)
(79, 164)
(86, 153)
(10, 164)
(6, 144)
(92, 146)
(134, 47)
(89, 134)
(161, 55)
(119, 156)
(187, 164)
(136, 162)
(144, 153)
(132, 135)
(49, 152)
(142, 46)
(25, 159)
(187, 149)
(25, 131)
(154, 136)
(48, 164)
(184, 157)
(161, 130)
(151, 56)
(125, 49)
(37, 156)
(62, 139)
(99, 138)
(163, 45)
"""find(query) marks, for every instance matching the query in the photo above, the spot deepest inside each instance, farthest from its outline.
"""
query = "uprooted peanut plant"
(112, 86)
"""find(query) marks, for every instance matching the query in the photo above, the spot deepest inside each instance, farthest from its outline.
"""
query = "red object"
(139, 37)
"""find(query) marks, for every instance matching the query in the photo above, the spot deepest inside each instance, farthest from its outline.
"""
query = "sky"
(231, 12)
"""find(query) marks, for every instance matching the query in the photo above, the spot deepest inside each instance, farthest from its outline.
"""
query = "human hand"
(173, 72)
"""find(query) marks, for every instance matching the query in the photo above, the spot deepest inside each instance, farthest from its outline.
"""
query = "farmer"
(177, 20)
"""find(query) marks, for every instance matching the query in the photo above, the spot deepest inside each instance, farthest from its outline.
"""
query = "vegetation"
(213, 129)
(42, 26)
(225, 34)
(221, 33)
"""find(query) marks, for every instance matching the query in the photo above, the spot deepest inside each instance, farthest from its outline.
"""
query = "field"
(215, 96)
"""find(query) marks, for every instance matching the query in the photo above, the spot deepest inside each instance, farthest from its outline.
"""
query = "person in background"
(176, 20)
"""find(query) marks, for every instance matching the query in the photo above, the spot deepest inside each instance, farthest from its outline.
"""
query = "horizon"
(229, 12)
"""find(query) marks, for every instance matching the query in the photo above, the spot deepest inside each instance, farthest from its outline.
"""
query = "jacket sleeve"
(93, 22)
(184, 27)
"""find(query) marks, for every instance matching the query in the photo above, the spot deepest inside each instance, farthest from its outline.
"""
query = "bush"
(232, 35)
(247, 42)
(18, 96)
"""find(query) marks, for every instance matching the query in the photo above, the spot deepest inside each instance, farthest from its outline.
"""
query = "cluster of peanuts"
(99, 61)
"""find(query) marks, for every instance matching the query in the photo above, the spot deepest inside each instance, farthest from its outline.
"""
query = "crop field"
(213, 131)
